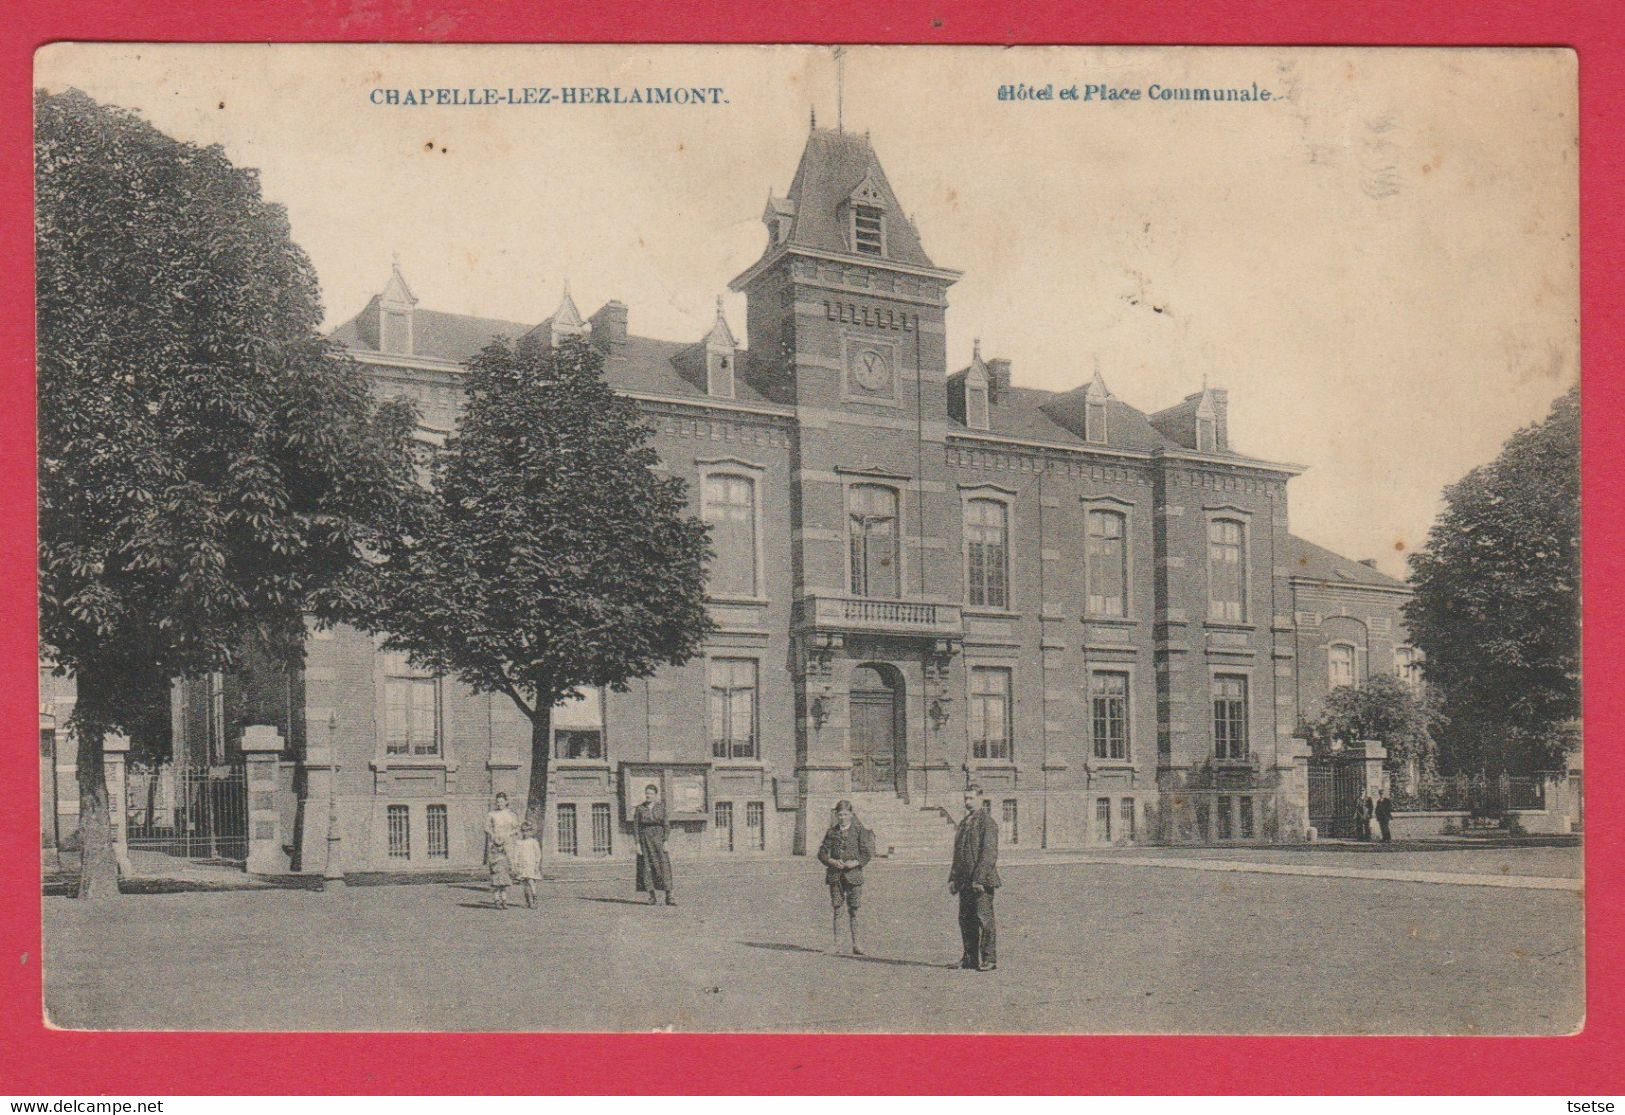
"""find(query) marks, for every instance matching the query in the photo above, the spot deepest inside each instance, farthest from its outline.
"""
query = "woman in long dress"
(501, 830)
(654, 864)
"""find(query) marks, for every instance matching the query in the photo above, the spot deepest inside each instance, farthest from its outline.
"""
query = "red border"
(61, 1063)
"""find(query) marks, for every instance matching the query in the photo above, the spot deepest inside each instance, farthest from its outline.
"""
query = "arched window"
(730, 508)
(1107, 574)
(1340, 665)
(872, 541)
(1227, 571)
(987, 553)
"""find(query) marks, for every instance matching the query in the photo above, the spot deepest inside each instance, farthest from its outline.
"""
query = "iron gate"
(1335, 791)
(197, 812)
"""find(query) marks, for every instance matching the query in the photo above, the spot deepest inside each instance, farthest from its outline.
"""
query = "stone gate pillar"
(115, 750)
(262, 748)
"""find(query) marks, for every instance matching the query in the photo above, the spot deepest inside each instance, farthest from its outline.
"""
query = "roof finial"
(812, 123)
(395, 260)
(719, 306)
(976, 348)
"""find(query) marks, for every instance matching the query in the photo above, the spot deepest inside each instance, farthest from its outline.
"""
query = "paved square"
(1084, 947)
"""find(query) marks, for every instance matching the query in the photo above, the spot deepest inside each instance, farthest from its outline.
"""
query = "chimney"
(609, 329)
(998, 379)
(1369, 563)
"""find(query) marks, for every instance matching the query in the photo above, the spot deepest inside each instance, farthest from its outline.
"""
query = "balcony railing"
(892, 617)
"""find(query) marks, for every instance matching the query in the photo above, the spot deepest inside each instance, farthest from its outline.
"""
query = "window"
(400, 832)
(755, 826)
(567, 829)
(722, 820)
(1108, 564)
(578, 726)
(1108, 700)
(1207, 435)
(730, 509)
(1094, 422)
(397, 332)
(1230, 717)
(976, 415)
(1245, 806)
(987, 553)
(872, 535)
(411, 709)
(990, 713)
(1408, 665)
(868, 230)
(1225, 831)
(1340, 664)
(438, 845)
(602, 829)
(1227, 571)
(1103, 820)
(1012, 821)
(732, 707)
(1128, 819)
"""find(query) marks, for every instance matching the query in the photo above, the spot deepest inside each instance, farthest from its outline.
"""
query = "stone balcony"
(863, 615)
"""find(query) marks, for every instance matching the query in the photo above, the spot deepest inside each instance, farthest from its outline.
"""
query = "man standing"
(846, 848)
(1385, 814)
(974, 877)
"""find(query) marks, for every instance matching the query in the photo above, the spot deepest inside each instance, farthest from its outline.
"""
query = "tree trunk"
(541, 751)
(98, 869)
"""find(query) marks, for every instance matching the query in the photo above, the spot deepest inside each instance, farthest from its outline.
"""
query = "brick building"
(924, 575)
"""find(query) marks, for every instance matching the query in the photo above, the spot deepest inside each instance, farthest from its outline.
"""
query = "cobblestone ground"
(1102, 948)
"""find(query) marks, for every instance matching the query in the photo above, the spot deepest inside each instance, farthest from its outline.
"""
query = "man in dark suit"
(1385, 815)
(974, 877)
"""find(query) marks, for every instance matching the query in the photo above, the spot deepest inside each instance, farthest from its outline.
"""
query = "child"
(527, 862)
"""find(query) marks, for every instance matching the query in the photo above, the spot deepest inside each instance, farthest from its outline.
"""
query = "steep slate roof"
(1316, 563)
(436, 335)
(833, 164)
(647, 365)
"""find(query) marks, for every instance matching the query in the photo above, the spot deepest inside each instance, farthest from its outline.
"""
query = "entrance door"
(874, 731)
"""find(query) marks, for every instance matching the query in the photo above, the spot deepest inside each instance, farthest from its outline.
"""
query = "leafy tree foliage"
(210, 472)
(1497, 606)
(1385, 709)
(554, 557)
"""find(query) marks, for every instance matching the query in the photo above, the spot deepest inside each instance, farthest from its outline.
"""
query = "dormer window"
(397, 332)
(868, 231)
(1094, 422)
(976, 406)
(721, 378)
(1207, 435)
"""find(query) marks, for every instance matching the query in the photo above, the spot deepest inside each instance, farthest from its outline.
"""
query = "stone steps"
(904, 831)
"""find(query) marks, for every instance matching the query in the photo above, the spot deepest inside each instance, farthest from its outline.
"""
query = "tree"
(554, 557)
(1497, 605)
(1384, 709)
(210, 472)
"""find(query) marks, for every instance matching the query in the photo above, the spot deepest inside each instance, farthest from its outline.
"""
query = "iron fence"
(1478, 794)
(194, 812)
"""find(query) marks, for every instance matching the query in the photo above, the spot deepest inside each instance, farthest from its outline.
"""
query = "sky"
(1379, 263)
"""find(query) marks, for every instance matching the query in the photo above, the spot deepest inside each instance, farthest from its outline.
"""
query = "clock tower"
(846, 321)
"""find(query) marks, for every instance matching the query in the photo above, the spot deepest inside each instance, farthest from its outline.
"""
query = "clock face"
(871, 372)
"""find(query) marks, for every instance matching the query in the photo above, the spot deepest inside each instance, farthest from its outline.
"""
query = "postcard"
(805, 539)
